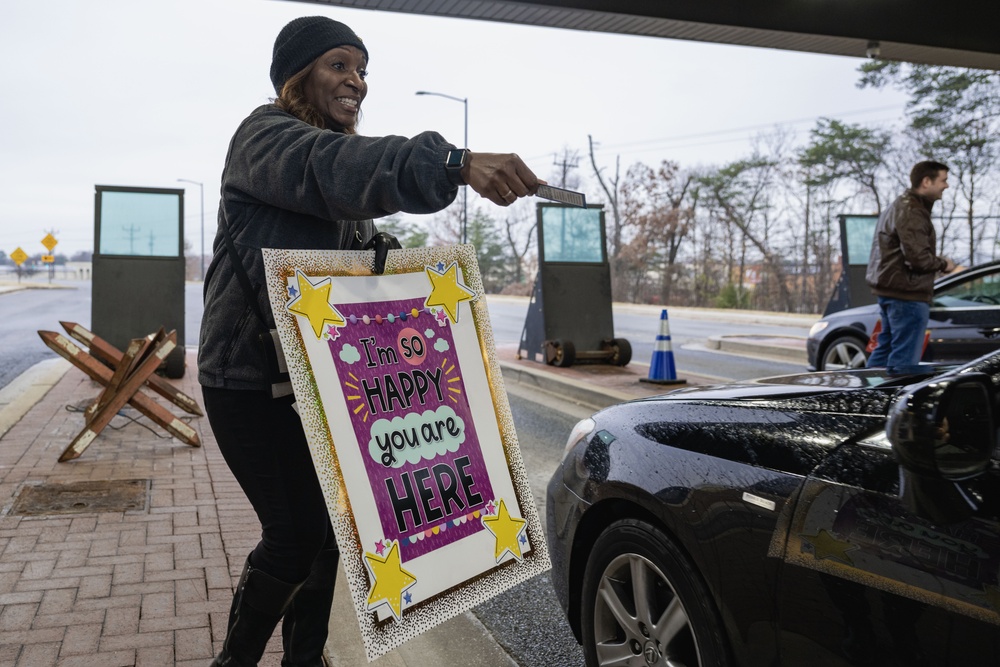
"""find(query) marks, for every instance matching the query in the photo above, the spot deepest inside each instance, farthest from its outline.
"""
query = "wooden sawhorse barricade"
(129, 371)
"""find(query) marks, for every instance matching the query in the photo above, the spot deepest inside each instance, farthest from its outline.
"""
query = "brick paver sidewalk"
(139, 587)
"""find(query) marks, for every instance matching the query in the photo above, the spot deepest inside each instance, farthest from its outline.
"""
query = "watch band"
(453, 163)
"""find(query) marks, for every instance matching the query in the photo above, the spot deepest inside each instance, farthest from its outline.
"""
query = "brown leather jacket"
(902, 264)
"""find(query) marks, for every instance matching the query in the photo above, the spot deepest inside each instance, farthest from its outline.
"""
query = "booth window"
(139, 224)
(859, 230)
(572, 235)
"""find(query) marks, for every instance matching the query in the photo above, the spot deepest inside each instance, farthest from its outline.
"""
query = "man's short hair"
(925, 169)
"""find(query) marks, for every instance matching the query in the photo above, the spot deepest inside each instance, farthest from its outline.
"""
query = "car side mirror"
(942, 432)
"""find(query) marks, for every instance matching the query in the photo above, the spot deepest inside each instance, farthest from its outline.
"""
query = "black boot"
(307, 619)
(258, 604)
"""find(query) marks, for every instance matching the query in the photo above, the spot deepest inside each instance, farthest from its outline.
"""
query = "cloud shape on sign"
(441, 345)
(429, 333)
(349, 354)
(416, 437)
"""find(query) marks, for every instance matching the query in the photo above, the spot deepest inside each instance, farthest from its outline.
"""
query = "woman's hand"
(500, 177)
(382, 243)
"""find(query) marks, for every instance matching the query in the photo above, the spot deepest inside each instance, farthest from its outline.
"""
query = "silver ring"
(509, 193)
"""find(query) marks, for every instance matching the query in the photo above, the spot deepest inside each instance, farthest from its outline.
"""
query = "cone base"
(652, 381)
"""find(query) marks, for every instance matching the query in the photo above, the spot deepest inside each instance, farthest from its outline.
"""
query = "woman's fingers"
(500, 177)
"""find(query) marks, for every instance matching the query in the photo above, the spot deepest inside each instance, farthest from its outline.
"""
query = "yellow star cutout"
(506, 529)
(826, 545)
(313, 302)
(447, 291)
(391, 580)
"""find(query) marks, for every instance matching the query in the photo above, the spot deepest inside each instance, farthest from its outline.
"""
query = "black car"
(842, 518)
(964, 324)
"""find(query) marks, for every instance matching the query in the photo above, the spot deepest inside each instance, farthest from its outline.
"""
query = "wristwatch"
(453, 164)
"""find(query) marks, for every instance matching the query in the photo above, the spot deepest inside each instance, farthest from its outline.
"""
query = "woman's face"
(336, 85)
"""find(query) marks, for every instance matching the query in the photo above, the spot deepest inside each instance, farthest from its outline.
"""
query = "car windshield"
(980, 292)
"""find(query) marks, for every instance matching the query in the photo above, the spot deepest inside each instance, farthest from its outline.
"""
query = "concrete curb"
(12, 286)
(582, 393)
(782, 348)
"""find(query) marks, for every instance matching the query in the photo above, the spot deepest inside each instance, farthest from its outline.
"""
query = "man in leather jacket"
(902, 268)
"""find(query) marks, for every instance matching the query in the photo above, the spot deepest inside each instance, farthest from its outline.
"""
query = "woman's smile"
(336, 85)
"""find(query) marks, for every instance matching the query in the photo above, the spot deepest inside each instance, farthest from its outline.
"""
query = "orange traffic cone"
(661, 367)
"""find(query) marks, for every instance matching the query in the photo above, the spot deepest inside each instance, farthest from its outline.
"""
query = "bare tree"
(617, 237)
(740, 193)
(660, 205)
(446, 226)
(519, 228)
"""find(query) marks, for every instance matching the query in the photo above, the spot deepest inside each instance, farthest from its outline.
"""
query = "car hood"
(796, 385)
(788, 423)
(858, 313)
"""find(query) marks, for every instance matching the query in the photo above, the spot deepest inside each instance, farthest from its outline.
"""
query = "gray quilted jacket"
(287, 184)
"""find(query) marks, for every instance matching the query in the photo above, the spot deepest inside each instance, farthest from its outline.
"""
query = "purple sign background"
(396, 369)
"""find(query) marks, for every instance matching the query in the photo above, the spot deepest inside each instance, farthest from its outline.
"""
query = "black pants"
(263, 442)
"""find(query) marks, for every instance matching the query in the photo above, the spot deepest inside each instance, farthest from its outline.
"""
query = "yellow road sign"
(49, 259)
(19, 256)
(49, 242)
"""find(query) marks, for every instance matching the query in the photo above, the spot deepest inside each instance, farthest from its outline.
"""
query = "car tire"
(676, 622)
(844, 353)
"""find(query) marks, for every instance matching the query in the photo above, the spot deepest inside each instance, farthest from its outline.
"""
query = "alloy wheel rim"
(844, 356)
(639, 621)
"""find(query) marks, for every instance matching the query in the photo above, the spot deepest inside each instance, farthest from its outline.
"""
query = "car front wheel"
(844, 353)
(644, 604)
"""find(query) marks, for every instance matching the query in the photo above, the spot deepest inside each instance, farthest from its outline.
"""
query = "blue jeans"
(901, 342)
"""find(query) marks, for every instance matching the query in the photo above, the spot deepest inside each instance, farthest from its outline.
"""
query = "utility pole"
(130, 231)
(568, 163)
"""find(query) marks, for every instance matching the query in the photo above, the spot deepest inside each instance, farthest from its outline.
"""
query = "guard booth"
(569, 316)
(138, 267)
(851, 290)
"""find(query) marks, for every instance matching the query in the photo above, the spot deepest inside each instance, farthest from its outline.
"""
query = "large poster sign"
(401, 397)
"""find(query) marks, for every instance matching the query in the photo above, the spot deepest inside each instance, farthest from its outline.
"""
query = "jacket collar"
(927, 202)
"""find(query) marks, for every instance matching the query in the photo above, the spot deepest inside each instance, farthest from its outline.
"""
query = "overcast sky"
(144, 92)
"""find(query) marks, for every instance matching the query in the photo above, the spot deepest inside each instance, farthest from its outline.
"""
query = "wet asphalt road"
(527, 620)
(24, 312)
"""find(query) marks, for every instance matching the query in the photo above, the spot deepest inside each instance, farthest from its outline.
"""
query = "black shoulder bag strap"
(277, 368)
(241, 272)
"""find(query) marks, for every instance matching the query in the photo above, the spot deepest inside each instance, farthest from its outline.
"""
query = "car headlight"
(816, 328)
(582, 430)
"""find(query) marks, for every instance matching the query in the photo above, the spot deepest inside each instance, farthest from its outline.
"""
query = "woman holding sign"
(299, 176)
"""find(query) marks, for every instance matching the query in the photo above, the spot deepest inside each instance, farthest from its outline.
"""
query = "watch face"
(455, 160)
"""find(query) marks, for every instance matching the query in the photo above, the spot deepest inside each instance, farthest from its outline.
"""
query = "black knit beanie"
(305, 39)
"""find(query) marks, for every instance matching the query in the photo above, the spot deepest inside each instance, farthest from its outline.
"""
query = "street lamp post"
(465, 190)
(201, 189)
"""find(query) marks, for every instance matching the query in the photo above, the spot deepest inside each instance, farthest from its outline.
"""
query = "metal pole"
(465, 191)
(201, 190)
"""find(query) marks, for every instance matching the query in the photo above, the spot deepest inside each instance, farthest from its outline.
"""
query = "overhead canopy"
(962, 33)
